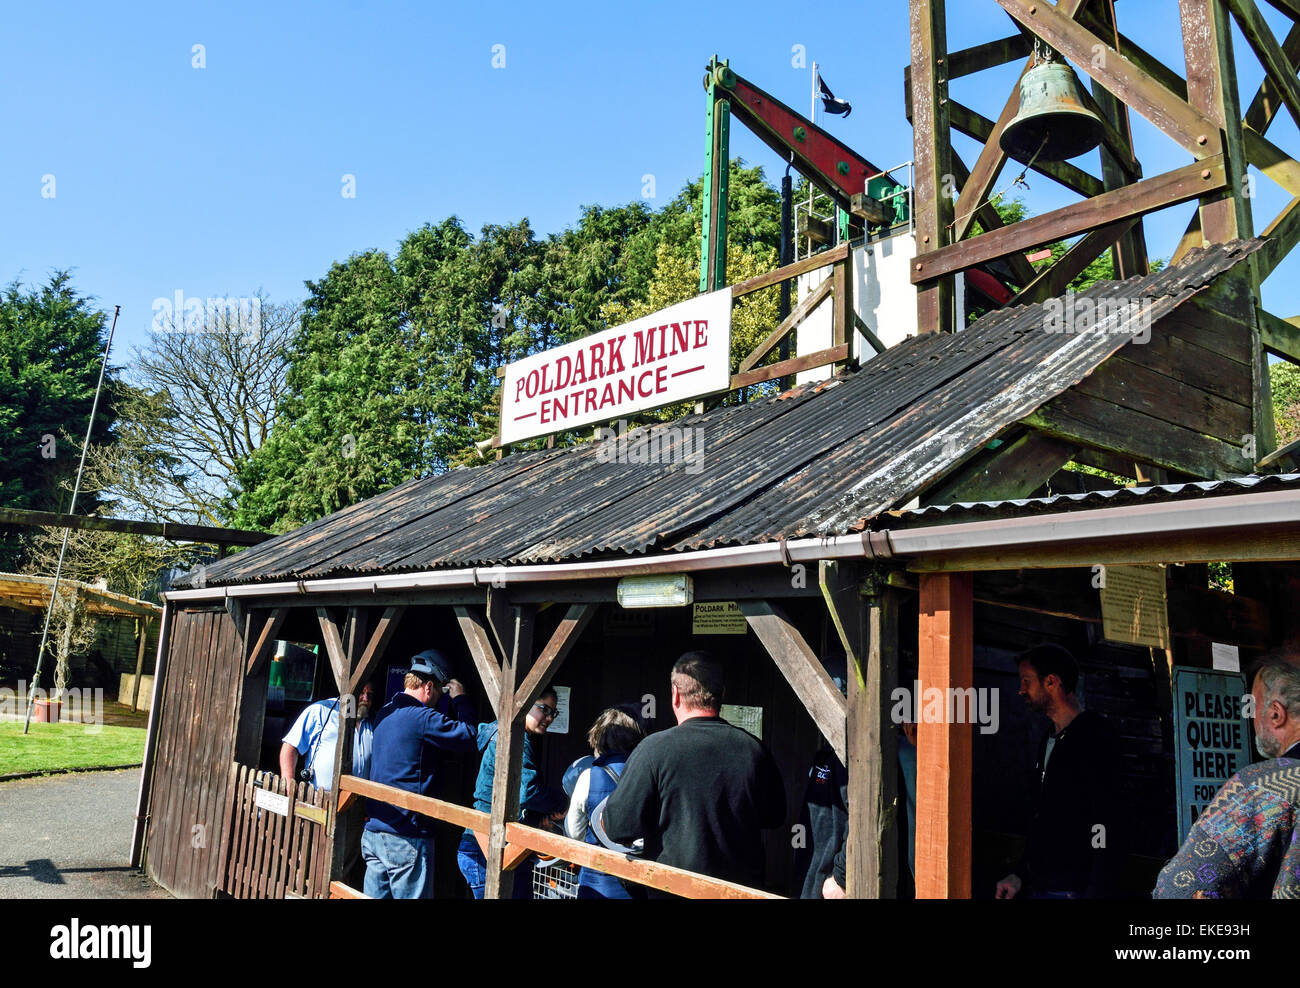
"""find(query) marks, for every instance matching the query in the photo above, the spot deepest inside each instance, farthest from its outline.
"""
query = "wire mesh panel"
(554, 879)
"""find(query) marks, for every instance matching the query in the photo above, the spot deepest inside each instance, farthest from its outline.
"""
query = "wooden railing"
(523, 840)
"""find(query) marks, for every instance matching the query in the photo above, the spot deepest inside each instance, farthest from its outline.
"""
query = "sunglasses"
(547, 711)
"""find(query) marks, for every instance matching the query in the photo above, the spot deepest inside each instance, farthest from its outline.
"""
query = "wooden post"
(1129, 254)
(343, 827)
(944, 750)
(930, 134)
(143, 625)
(514, 627)
(868, 630)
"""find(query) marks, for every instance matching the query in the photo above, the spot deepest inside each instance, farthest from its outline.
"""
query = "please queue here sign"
(676, 354)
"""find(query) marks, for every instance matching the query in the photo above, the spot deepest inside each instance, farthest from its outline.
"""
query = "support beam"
(989, 55)
(479, 640)
(1055, 280)
(329, 630)
(572, 625)
(266, 639)
(801, 667)
(1280, 336)
(376, 647)
(1129, 252)
(1268, 51)
(1017, 468)
(801, 312)
(945, 654)
(868, 630)
(1189, 182)
(935, 300)
(1021, 270)
(1280, 238)
(517, 628)
(1212, 89)
(1272, 161)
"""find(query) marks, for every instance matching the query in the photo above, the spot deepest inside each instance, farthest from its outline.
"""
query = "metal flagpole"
(72, 509)
(812, 105)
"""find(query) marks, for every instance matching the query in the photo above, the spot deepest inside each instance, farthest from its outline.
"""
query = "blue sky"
(227, 179)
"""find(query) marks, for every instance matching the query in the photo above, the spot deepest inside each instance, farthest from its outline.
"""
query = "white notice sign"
(275, 802)
(1133, 605)
(675, 354)
(561, 723)
(750, 718)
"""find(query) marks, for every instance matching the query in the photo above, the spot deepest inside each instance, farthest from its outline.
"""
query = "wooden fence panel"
(271, 855)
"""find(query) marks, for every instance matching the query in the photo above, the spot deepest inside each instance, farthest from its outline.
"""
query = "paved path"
(69, 837)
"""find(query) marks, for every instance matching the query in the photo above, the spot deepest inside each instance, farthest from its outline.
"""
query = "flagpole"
(812, 105)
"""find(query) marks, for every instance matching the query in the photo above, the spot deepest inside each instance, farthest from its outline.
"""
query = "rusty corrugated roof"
(820, 459)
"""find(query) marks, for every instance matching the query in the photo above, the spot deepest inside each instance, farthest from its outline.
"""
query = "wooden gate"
(277, 846)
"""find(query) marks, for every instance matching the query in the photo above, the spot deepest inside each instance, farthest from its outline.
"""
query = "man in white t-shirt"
(315, 735)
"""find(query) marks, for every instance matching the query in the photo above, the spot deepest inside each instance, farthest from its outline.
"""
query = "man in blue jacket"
(410, 736)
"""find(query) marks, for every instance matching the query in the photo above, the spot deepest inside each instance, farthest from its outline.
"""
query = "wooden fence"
(523, 841)
(278, 845)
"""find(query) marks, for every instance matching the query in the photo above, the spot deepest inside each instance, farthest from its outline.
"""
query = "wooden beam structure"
(864, 611)
(801, 667)
(945, 653)
(936, 298)
(266, 638)
(515, 626)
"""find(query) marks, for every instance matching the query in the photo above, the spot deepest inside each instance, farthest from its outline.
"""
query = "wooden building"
(907, 511)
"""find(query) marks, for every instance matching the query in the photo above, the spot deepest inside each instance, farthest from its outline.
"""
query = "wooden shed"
(865, 514)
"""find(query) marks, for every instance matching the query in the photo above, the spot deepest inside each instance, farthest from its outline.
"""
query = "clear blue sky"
(226, 179)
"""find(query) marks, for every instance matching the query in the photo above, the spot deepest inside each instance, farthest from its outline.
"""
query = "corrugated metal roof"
(821, 459)
(1019, 507)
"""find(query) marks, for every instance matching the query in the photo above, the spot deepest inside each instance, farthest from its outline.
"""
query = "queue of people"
(699, 795)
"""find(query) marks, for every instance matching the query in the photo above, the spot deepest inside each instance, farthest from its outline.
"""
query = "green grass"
(60, 747)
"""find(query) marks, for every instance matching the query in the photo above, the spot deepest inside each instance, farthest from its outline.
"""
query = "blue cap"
(432, 663)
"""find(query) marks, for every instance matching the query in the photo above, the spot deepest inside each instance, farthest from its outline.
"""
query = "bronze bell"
(1053, 121)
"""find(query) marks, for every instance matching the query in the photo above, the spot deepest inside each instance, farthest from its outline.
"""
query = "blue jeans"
(474, 867)
(397, 867)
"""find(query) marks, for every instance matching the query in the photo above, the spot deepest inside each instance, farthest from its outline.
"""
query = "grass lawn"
(57, 747)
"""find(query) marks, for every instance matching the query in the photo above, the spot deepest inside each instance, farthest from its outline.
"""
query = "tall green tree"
(51, 344)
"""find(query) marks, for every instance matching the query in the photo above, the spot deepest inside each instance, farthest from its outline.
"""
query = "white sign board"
(560, 725)
(676, 354)
(275, 802)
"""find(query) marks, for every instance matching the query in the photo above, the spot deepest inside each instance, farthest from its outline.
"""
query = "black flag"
(829, 103)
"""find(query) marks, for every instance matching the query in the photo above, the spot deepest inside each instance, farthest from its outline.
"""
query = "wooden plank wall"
(1180, 401)
(195, 746)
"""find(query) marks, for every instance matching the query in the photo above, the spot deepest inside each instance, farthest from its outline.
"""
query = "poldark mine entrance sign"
(1212, 742)
(676, 354)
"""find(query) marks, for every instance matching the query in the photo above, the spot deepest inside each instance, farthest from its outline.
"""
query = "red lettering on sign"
(701, 332)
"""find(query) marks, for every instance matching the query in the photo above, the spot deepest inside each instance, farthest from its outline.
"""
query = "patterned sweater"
(1246, 844)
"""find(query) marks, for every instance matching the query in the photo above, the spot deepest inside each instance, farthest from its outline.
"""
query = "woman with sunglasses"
(538, 803)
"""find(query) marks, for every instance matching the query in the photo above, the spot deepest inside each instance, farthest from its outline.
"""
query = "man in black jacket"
(1072, 848)
(699, 793)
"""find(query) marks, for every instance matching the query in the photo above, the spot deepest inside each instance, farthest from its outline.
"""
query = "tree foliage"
(51, 345)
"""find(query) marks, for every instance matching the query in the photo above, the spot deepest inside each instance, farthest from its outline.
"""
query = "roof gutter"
(1210, 515)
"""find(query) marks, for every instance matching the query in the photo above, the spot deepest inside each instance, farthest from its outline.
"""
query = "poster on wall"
(1134, 605)
(718, 617)
(561, 723)
(1211, 740)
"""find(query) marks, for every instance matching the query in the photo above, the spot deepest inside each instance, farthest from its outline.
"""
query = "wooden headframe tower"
(1200, 112)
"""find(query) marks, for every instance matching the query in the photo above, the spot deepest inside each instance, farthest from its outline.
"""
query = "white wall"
(883, 297)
